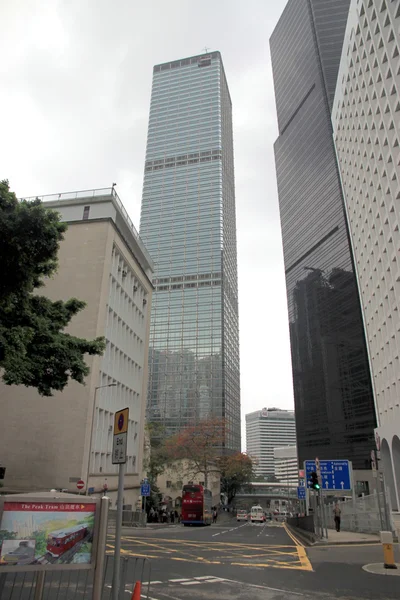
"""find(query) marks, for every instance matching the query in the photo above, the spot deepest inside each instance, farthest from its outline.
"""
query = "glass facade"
(188, 225)
(334, 404)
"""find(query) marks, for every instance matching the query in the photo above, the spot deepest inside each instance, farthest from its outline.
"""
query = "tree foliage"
(200, 444)
(34, 349)
(237, 471)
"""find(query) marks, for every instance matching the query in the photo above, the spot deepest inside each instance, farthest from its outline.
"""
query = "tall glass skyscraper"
(188, 225)
(335, 414)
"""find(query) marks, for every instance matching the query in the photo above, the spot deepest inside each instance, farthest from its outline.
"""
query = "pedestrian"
(215, 515)
(336, 515)
(172, 516)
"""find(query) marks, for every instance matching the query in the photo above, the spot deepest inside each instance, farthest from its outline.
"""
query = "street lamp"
(96, 389)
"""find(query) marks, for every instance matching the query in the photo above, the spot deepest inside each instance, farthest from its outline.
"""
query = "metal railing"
(71, 585)
(130, 518)
(110, 191)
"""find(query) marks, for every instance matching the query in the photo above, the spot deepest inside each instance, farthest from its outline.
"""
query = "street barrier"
(71, 585)
(130, 518)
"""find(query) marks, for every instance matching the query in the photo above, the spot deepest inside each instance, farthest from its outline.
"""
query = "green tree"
(237, 471)
(41, 542)
(35, 351)
(7, 535)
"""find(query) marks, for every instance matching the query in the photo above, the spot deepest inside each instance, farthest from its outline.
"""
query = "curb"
(310, 540)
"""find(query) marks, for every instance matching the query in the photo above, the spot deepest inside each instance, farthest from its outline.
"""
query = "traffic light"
(314, 484)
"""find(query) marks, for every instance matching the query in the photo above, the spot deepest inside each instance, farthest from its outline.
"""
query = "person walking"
(336, 515)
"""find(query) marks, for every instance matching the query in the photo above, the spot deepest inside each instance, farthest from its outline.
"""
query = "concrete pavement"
(241, 561)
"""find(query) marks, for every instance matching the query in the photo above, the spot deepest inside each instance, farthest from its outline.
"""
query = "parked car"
(242, 515)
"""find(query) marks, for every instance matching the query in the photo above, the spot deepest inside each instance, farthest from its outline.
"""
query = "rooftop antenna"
(206, 49)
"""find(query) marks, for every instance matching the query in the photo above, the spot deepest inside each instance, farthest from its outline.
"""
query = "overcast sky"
(75, 94)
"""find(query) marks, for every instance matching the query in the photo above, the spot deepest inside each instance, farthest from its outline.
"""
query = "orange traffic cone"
(137, 591)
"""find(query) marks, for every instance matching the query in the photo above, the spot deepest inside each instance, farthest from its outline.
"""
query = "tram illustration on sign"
(35, 533)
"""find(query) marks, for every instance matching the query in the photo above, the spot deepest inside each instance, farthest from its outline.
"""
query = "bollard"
(388, 552)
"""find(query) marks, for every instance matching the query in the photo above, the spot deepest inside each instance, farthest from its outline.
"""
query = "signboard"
(301, 473)
(80, 484)
(50, 533)
(145, 489)
(301, 493)
(335, 474)
(301, 482)
(120, 440)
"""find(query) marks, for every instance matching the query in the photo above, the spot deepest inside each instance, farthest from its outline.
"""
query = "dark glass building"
(334, 405)
(188, 224)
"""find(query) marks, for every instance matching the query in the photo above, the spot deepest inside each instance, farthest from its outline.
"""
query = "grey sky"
(75, 97)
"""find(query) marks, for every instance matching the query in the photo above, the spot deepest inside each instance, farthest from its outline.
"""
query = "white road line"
(208, 577)
(191, 582)
(263, 587)
(150, 582)
(178, 580)
(214, 534)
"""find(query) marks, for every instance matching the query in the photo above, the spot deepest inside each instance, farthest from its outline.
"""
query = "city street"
(249, 561)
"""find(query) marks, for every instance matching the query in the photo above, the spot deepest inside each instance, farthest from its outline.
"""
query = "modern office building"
(366, 127)
(68, 437)
(188, 225)
(286, 465)
(266, 430)
(334, 404)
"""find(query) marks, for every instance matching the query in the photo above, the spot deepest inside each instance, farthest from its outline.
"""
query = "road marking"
(179, 580)
(214, 534)
(191, 583)
(263, 587)
(303, 558)
(208, 577)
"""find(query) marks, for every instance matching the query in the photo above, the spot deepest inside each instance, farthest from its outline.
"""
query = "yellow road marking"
(303, 558)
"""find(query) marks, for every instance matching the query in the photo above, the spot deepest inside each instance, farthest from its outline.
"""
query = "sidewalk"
(348, 537)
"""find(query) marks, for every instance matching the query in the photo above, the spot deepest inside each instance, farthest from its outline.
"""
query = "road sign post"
(145, 490)
(121, 419)
(335, 474)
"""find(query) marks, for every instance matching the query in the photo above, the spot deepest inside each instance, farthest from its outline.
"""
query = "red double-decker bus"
(196, 505)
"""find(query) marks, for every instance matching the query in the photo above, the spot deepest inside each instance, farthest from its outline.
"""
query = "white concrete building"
(286, 464)
(367, 137)
(53, 442)
(266, 430)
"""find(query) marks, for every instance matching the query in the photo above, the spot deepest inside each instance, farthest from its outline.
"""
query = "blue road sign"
(301, 493)
(335, 474)
(145, 489)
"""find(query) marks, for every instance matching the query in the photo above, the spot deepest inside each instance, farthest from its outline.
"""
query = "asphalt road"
(241, 561)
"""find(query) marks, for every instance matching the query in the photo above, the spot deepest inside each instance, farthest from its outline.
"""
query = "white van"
(257, 514)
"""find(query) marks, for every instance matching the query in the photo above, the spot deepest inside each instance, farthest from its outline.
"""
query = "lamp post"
(96, 389)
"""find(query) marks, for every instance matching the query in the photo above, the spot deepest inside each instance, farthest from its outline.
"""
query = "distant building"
(53, 442)
(366, 127)
(266, 430)
(286, 464)
(188, 224)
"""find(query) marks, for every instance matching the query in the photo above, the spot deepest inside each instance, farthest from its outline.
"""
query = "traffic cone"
(137, 591)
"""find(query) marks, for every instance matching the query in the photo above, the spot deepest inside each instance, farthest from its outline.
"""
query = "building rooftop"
(97, 195)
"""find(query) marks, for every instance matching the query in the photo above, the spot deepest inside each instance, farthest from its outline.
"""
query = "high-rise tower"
(335, 414)
(188, 225)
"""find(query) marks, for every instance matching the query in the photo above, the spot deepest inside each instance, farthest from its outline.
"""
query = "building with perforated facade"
(366, 127)
(53, 442)
(188, 224)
